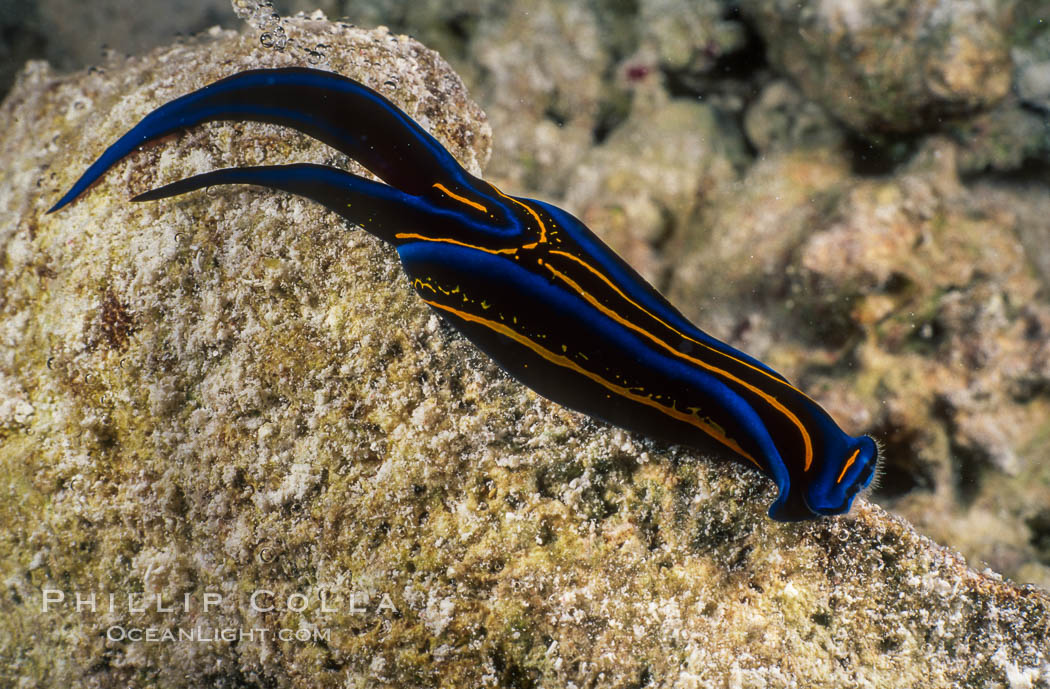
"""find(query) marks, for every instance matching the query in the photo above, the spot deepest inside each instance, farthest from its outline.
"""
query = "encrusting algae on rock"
(230, 412)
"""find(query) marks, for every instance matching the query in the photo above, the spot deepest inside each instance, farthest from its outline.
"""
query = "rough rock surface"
(891, 66)
(231, 394)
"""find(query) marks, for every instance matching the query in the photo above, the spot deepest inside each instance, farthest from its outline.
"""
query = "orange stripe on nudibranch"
(543, 227)
(770, 399)
(670, 327)
(565, 362)
(445, 240)
(849, 463)
(461, 199)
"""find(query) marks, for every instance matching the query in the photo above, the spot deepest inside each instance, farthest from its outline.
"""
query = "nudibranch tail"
(379, 208)
(342, 113)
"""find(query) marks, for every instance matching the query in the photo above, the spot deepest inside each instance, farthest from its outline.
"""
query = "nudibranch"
(527, 283)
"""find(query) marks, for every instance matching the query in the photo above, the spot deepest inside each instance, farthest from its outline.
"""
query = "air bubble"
(269, 21)
(280, 39)
(261, 16)
(318, 55)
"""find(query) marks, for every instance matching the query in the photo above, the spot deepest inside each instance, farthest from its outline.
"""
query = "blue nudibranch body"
(527, 283)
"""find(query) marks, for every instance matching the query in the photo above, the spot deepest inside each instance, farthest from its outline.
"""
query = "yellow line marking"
(412, 235)
(849, 463)
(445, 240)
(776, 404)
(794, 419)
(671, 327)
(565, 362)
(772, 401)
(461, 199)
(543, 228)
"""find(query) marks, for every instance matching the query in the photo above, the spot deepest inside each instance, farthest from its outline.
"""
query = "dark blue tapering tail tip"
(62, 202)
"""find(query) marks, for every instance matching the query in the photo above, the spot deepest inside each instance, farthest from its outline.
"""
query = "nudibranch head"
(849, 465)
(835, 486)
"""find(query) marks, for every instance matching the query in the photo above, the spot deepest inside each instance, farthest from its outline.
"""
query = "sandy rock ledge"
(232, 394)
